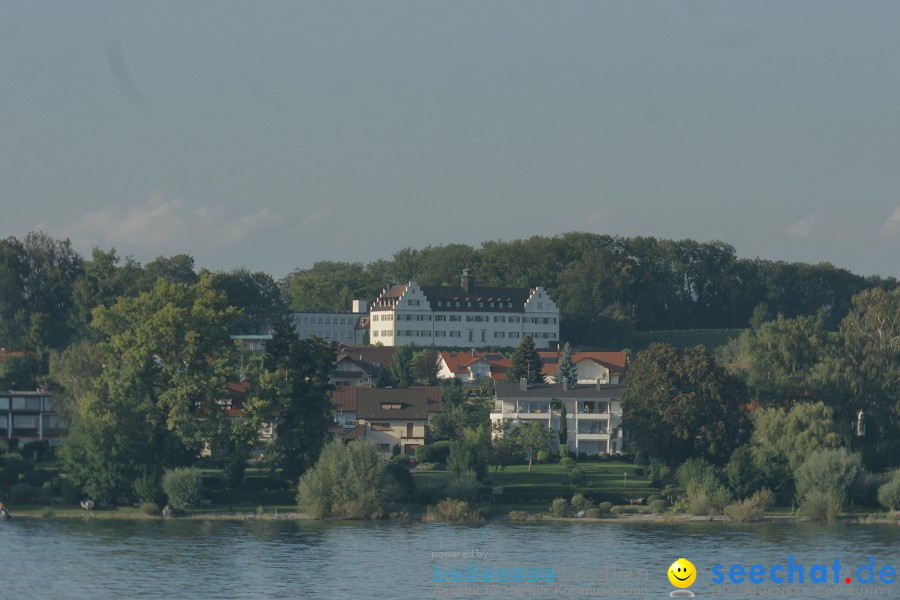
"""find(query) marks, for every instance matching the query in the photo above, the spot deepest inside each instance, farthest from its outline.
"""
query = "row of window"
(326, 319)
(30, 422)
(540, 320)
(26, 403)
(327, 335)
(470, 304)
(536, 335)
(384, 317)
(469, 318)
(384, 333)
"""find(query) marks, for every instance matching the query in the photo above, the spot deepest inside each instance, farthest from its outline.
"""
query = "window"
(471, 335)
(483, 332)
(513, 334)
(4, 403)
(25, 422)
(4, 421)
(413, 302)
(481, 304)
(540, 305)
(499, 334)
(375, 317)
(52, 422)
(383, 448)
(499, 319)
(491, 305)
(509, 305)
(439, 303)
(374, 333)
(391, 406)
(455, 334)
(440, 333)
(514, 319)
(440, 317)
(454, 317)
(469, 304)
(554, 320)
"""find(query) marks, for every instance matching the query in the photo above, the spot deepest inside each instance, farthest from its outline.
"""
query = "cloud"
(597, 216)
(803, 228)
(891, 225)
(162, 221)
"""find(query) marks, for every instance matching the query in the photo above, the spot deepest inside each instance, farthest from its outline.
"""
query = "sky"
(270, 135)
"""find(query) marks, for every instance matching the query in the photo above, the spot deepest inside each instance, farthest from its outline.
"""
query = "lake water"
(91, 559)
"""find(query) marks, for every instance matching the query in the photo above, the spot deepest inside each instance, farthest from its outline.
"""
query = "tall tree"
(294, 394)
(256, 294)
(680, 404)
(533, 436)
(567, 370)
(526, 362)
(426, 364)
(401, 367)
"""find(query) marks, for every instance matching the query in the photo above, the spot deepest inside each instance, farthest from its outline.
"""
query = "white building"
(463, 315)
(593, 412)
(347, 328)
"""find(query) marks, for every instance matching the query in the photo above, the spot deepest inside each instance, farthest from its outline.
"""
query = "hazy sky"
(273, 134)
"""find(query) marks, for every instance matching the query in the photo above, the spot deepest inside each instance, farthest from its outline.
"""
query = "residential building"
(463, 315)
(592, 367)
(360, 365)
(392, 418)
(593, 412)
(29, 416)
(345, 400)
(343, 327)
(473, 367)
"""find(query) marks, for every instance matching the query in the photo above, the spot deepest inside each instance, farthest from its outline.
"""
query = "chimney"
(565, 384)
(468, 282)
(360, 306)
(523, 384)
(473, 352)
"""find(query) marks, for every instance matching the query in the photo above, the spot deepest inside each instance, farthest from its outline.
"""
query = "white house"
(473, 367)
(464, 315)
(591, 367)
(347, 328)
(593, 412)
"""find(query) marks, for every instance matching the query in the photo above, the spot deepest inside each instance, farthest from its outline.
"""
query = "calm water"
(75, 559)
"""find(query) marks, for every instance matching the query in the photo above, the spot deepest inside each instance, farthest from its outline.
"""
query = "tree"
(533, 436)
(567, 370)
(21, 372)
(526, 363)
(400, 369)
(156, 401)
(256, 294)
(563, 426)
(294, 394)
(794, 435)
(680, 404)
(505, 448)
(425, 365)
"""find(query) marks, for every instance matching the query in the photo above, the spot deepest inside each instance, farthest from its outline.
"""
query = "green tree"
(526, 363)
(401, 369)
(681, 404)
(425, 365)
(794, 435)
(505, 448)
(257, 296)
(567, 370)
(21, 372)
(532, 436)
(563, 426)
(294, 394)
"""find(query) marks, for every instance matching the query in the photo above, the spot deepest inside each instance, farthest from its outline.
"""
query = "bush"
(400, 476)
(22, 493)
(71, 493)
(182, 486)
(889, 493)
(463, 487)
(453, 511)
(594, 513)
(819, 505)
(38, 451)
(518, 515)
(624, 510)
(658, 506)
(579, 502)
(750, 509)
(564, 451)
(437, 452)
(560, 508)
(577, 475)
(147, 488)
(707, 497)
(149, 508)
(346, 483)
(832, 472)
(605, 507)
(543, 456)
(567, 463)
(695, 470)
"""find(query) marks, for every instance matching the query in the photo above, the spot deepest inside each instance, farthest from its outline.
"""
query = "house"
(342, 327)
(360, 365)
(29, 416)
(592, 367)
(395, 418)
(463, 315)
(473, 367)
(345, 400)
(593, 412)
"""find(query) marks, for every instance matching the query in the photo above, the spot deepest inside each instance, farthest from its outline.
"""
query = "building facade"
(593, 412)
(349, 328)
(395, 418)
(28, 417)
(464, 315)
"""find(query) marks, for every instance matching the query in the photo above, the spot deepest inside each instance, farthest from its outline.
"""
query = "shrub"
(147, 488)
(36, 478)
(564, 451)
(695, 470)
(182, 486)
(577, 475)
(604, 507)
(400, 459)
(437, 452)
(594, 513)
(579, 502)
(652, 497)
(567, 463)
(560, 508)
(707, 497)
(832, 472)
(750, 509)
(518, 515)
(453, 511)
(624, 510)
(543, 456)
(22, 493)
(347, 483)
(149, 508)
(463, 487)
(889, 493)
(819, 505)
(658, 506)
(38, 451)
(400, 476)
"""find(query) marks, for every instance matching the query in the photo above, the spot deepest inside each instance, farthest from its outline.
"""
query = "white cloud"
(164, 220)
(892, 223)
(803, 228)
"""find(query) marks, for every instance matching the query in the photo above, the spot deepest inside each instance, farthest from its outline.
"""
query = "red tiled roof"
(345, 398)
(459, 362)
(616, 362)
(4, 354)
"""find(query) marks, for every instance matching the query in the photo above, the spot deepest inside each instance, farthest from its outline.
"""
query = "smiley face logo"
(682, 573)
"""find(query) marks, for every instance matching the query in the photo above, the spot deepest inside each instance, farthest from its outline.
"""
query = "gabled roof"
(616, 362)
(459, 362)
(377, 356)
(415, 402)
(345, 398)
(501, 297)
(357, 433)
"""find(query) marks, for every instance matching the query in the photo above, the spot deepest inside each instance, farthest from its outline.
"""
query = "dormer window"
(391, 406)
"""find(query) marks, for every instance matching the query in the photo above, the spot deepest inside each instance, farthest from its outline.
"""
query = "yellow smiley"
(682, 573)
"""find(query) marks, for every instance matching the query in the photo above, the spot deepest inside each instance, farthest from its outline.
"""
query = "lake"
(90, 559)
